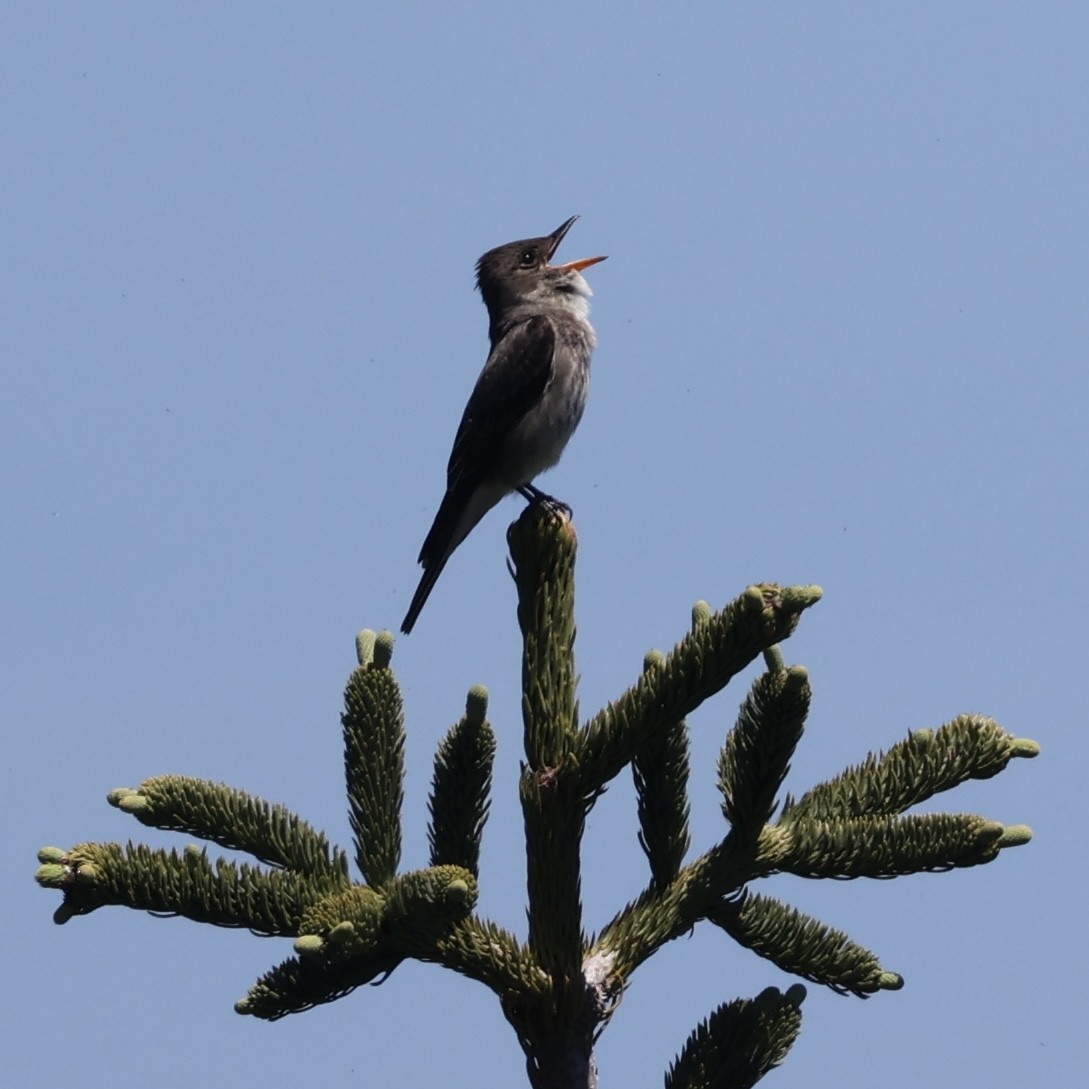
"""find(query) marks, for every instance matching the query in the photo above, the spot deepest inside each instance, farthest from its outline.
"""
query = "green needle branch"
(560, 986)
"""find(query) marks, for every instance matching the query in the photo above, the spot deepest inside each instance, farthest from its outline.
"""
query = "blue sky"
(842, 340)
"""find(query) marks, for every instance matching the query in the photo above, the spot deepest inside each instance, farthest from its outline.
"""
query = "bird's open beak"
(579, 265)
(556, 238)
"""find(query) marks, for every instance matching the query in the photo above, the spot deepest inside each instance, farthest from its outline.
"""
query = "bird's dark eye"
(528, 257)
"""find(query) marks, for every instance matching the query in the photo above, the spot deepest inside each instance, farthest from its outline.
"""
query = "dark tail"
(423, 591)
(461, 508)
(437, 548)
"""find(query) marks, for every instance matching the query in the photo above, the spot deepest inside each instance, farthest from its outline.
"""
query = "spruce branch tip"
(476, 704)
(364, 646)
(701, 613)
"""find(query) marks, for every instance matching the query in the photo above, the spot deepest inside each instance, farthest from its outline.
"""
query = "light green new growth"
(560, 986)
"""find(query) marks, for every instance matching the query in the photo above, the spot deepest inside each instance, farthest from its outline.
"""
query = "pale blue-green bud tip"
(1015, 835)
(808, 595)
(651, 659)
(476, 703)
(383, 649)
(342, 933)
(131, 801)
(309, 945)
(364, 646)
(457, 894)
(52, 875)
(753, 598)
(774, 662)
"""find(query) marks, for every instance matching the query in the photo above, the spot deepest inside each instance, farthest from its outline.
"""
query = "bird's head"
(522, 272)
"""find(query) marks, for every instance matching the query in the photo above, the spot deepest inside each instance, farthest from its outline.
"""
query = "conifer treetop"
(560, 985)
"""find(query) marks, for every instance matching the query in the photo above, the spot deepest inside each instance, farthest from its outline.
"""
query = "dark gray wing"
(512, 382)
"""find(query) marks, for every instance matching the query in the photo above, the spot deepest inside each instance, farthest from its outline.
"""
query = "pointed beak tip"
(558, 235)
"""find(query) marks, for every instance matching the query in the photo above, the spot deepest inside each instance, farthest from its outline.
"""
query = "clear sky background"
(843, 332)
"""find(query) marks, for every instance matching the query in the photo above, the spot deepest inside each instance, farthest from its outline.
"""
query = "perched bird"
(528, 399)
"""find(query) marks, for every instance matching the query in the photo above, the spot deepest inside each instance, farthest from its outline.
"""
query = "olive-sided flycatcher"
(528, 399)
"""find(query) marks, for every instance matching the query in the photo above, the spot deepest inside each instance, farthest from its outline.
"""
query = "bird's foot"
(550, 503)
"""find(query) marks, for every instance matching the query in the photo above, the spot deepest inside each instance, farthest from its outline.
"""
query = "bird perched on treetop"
(528, 399)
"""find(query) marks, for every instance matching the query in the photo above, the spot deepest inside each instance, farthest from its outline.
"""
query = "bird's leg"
(550, 503)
